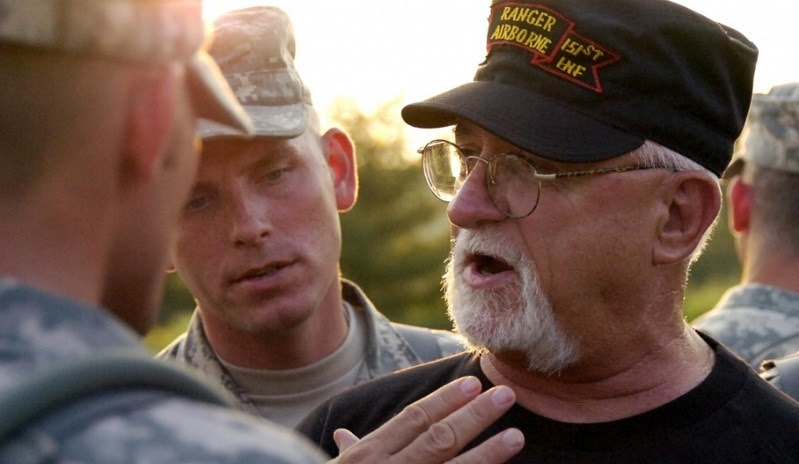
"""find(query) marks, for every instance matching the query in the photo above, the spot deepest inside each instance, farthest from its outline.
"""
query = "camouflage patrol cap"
(254, 47)
(771, 134)
(138, 31)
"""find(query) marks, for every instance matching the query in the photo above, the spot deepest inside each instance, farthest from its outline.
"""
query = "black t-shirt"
(733, 416)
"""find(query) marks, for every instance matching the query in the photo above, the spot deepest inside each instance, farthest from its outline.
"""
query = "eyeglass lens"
(511, 181)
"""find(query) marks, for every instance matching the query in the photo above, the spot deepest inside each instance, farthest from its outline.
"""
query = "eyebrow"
(462, 129)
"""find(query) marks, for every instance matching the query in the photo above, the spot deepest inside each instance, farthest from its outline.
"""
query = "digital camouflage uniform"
(757, 322)
(38, 330)
(387, 350)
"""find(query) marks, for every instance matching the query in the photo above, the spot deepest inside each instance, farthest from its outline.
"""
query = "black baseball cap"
(579, 81)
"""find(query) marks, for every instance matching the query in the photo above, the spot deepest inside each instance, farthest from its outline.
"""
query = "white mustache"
(515, 316)
(488, 241)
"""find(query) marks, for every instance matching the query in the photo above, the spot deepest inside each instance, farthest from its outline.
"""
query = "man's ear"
(740, 204)
(340, 154)
(150, 115)
(692, 204)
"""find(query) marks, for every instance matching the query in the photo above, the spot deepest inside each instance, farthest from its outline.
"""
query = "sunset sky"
(373, 51)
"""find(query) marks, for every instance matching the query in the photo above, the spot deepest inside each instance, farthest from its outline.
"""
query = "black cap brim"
(530, 121)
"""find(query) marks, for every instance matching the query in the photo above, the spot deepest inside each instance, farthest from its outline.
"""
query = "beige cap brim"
(212, 97)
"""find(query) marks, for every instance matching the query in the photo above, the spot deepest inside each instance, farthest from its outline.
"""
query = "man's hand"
(435, 428)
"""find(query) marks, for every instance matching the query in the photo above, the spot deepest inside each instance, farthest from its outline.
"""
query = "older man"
(582, 182)
(759, 318)
(259, 244)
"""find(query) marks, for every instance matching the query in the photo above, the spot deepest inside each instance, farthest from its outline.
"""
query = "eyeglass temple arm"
(592, 172)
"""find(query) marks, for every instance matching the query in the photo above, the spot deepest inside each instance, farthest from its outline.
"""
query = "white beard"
(513, 317)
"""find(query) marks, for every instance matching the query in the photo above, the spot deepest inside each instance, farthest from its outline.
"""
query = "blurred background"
(364, 60)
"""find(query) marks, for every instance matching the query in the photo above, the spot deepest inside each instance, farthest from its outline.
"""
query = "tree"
(396, 238)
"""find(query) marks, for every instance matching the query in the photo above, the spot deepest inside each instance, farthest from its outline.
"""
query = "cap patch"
(551, 39)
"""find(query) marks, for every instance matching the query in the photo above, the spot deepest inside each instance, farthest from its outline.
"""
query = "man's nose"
(250, 222)
(472, 204)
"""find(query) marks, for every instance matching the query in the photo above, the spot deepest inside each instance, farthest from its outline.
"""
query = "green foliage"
(166, 331)
(397, 236)
(715, 271)
(173, 318)
(177, 299)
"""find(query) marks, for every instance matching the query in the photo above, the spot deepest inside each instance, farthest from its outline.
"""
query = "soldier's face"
(259, 239)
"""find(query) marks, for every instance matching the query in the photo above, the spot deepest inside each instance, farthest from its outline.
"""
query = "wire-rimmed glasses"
(512, 182)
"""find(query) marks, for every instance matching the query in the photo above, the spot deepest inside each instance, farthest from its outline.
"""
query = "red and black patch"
(550, 38)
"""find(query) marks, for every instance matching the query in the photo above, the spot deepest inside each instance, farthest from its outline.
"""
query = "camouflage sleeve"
(178, 430)
(450, 342)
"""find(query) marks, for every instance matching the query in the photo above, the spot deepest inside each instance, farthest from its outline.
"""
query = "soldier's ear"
(340, 155)
(739, 194)
(150, 115)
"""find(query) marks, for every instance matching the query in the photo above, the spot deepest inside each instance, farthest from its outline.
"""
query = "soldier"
(99, 101)
(97, 153)
(759, 318)
(259, 244)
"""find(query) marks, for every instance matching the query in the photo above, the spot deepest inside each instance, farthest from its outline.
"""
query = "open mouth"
(488, 265)
(259, 273)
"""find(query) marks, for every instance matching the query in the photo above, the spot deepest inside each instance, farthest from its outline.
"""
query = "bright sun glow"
(376, 51)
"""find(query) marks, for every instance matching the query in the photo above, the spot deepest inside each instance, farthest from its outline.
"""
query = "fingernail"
(501, 396)
(470, 386)
(512, 438)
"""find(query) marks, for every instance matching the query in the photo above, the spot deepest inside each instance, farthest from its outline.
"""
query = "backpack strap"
(783, 373)
(60, 399)
(40, 440)
(421, 340)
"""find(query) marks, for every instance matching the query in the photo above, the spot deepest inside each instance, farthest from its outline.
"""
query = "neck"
(659, 375)
(56, 248)
(776, 271)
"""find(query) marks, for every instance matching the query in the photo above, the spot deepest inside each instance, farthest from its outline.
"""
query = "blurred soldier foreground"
(97, 154)
(759, 319)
